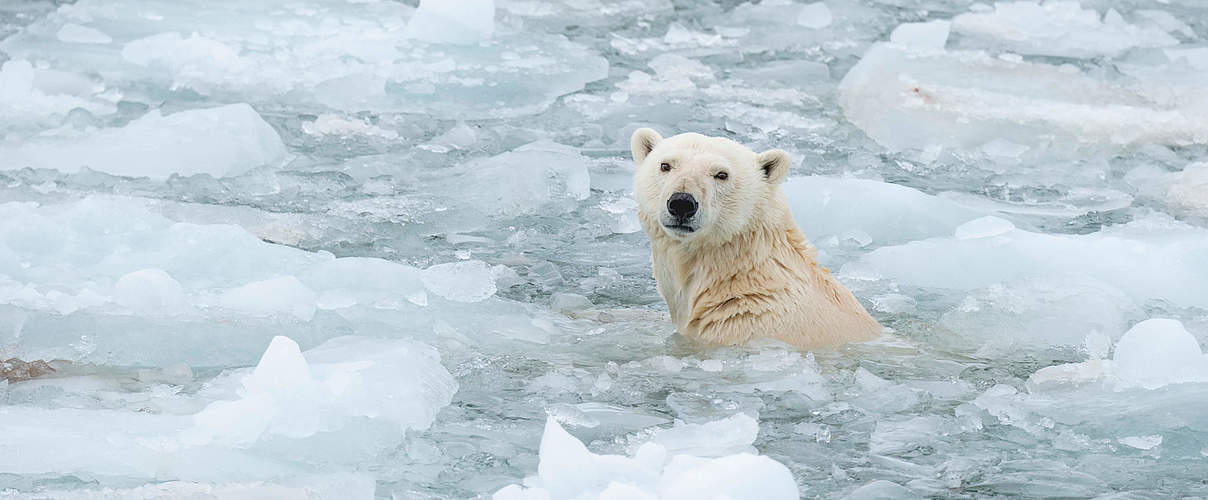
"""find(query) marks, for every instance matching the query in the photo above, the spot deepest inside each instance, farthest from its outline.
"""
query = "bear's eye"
(721, 176)
(666, 167)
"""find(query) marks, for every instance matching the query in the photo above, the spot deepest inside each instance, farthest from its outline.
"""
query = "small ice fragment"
(1097, 345)
(280, 295)
(468, 281)
(1158, 352)
(928, 35)
(1141, 442)
(329, 124)
(568, 302)
(1188, 190)
(882, 490)
(983, 227)
(1002, 148)
(815, 15)
(711, 365)
(568, 470)
(457, 22)
(149, 291)
(711, 439)
(74, 33)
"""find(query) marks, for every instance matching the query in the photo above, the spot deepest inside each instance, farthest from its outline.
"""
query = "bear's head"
(701, 188)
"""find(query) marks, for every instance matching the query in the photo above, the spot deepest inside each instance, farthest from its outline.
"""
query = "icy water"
(432, 207)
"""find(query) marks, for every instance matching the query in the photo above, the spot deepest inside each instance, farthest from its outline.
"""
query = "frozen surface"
(226, 140)
(1059, 28)
(243, 425)
(906, 98)
(383, 249)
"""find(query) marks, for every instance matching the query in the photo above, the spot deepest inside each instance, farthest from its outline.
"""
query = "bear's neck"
(686, 270)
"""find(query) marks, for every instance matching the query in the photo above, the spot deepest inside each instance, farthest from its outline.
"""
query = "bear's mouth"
(682, 228)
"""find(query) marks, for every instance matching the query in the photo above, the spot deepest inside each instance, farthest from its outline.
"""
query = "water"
(183, 183)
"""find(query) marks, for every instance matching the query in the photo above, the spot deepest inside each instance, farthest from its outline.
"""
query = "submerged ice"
(389, 249)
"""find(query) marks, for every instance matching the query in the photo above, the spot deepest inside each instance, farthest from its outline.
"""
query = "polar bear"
(727, 255)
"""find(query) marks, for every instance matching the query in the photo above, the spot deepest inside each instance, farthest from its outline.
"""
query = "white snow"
(568, 470)
(221, 141)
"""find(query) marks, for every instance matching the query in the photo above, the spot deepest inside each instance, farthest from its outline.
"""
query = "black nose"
(681, 205)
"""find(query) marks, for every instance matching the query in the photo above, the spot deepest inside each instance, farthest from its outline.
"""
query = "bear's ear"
(774, 165)
(643, 142)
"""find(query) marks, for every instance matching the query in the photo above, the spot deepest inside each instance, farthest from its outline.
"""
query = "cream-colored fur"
(746, 271)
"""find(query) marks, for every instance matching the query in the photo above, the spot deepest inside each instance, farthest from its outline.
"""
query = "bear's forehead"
(701, 146)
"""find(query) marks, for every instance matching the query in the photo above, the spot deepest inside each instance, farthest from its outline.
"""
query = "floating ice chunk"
(150, 291)
(96, 252)
(711, 439)
(32, 95)
(462, 21)
(1141, 442)
(915, 100)
(179, 52)
(815, 15)
(1153, 257)
(585, 12)
(280, 295)
(1165, 21)
(467, 281)
(888, 213)
(1159, 352)
(1057, 28)
(1188, 190)
(355, 58)
(983, 227)
(1154, 353)
(296, 396)
(1040, 313)
(928, 35)
(536, 176)
(74, 33)
(328, 124)
(881, 489)
(568, 470)
(221, 141)
(369, 391)
(321, 486)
